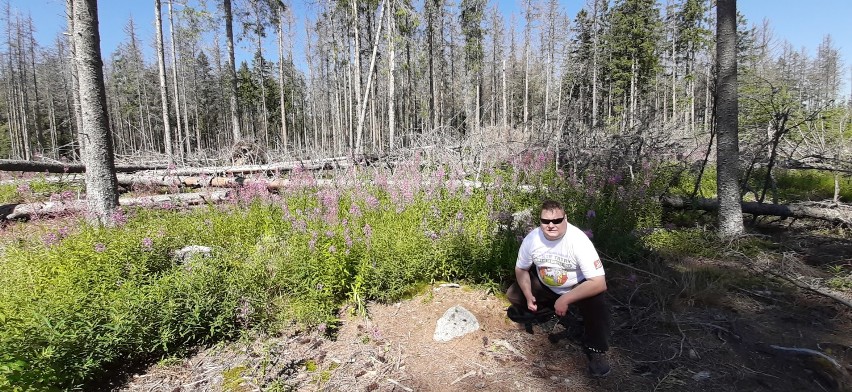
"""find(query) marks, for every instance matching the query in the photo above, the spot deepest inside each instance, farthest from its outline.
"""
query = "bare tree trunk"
(527, 43)
(430, 37)
(37, 121)
(236, 114)
(164, 93)
(75, 83)
(727, 147)
(356, 73)
(505, 103)
(101, 183)
(595, 64)
(362, 111)
(180, 130)
(282, 101)
(391, 70)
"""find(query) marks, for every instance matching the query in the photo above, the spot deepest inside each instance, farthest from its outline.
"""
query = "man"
(558, 266)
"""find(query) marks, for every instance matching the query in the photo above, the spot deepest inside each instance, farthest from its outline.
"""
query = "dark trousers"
(595, 310)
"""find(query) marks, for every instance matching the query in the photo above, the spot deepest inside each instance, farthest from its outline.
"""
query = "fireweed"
(75, 303)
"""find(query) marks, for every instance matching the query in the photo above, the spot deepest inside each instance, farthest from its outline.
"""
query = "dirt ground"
(768, 336)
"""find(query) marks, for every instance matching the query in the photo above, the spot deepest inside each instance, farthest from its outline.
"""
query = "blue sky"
(803, 23)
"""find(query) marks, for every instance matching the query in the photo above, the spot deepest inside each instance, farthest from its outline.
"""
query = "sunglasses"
(554, 221)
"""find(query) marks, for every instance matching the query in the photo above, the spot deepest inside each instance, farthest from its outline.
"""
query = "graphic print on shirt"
(553, 269)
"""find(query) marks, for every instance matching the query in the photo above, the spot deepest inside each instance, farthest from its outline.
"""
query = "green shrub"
(80, 302)
(675, 244)
(797, 185)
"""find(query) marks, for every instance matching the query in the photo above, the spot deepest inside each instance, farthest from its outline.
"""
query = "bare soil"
(761, 335)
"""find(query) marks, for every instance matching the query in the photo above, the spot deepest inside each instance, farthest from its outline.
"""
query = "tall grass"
(79, 301)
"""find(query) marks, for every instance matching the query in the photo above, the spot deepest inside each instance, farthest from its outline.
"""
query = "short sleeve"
(587, 257)
(524, 261)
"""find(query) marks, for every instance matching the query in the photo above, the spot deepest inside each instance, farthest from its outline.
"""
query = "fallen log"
(839, 214)
(819, 362)
(208, 181)
(142, 179)
(52, 208)
(280, 167)
(50, 167)
(162, 169)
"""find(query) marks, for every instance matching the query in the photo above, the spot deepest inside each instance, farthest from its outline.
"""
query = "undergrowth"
(80, 300)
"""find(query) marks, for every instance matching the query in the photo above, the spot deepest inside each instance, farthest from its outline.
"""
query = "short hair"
(548, 205)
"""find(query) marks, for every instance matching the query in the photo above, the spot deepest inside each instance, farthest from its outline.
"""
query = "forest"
(168, 204)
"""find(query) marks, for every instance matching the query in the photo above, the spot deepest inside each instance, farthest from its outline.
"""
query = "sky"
(802, 23)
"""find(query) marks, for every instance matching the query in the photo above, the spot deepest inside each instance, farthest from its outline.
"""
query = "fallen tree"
(55, 167)
(203, 181)
(162, 169)
(276, 184)
(280, 167)
(53, 208)
(834, 213)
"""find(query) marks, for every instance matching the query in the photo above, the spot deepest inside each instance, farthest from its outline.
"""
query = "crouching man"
(558, 266)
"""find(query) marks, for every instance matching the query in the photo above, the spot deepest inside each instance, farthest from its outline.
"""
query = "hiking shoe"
(598, 364)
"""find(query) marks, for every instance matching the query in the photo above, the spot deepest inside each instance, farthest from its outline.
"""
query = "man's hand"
(561, 306)
(531, 305)
(591, 286)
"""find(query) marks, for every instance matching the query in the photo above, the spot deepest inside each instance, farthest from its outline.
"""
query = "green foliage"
(675, 244)
(841, 278)
(232, 379)
(37, 189)
(80, 302)
(682, 181)
(8, 193)
(796, 185)
(5, 142)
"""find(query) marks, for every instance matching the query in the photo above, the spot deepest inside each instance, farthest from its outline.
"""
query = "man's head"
(552, 220)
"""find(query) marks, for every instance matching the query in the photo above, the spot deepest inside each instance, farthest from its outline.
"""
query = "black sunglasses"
(554, 221)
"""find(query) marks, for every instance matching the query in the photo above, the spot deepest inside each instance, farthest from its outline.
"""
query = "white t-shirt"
(562, 263)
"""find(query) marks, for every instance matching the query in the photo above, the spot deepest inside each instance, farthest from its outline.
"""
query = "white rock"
(456, 321)
(701, 376)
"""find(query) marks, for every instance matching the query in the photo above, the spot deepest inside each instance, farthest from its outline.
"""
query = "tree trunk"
(180, 130)
(391, 70)
(101, 183)
(280, 30)
(811, 210)
(52, 208)
(727, 146)
(164, 93)
(236, 114)
(363, 110)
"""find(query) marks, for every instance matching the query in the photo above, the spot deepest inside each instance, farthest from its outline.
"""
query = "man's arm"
(523, 278)
(590, 287)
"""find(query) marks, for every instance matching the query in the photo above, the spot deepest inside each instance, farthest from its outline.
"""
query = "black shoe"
(598, 364)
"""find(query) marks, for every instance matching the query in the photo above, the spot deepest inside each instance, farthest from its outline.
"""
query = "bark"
(391, 70)
(727, 145)
(75, 85)
(101, 185)
(838, 215)
(330, 163)
(359, 149)
(283, 108)
(164, 93)
(180, 131)
(49, 167)
(232, 73)
(356, 72)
